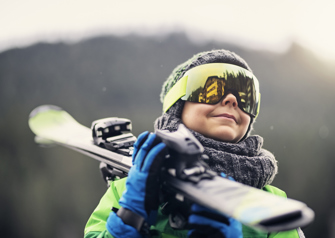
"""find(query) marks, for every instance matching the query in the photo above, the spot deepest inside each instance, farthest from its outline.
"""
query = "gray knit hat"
(213, 56)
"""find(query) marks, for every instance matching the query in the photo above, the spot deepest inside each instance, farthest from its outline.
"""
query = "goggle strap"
(176, 92)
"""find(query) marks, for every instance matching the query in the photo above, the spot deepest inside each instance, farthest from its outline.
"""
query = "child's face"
(224, 121)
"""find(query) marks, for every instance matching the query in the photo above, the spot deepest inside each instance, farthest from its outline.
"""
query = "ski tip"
(292, 220)
(44, 108)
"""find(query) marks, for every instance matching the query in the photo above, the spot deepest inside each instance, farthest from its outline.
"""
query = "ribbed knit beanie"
(213, 56)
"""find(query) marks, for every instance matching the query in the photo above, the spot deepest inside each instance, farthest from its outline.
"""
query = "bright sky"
(260, 24)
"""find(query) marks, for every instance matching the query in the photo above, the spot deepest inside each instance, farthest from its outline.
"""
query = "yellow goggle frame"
(209, 83)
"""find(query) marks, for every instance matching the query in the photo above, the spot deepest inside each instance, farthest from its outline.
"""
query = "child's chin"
(225, 135)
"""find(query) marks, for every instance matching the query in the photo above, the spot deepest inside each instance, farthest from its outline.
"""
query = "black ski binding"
(114, 134)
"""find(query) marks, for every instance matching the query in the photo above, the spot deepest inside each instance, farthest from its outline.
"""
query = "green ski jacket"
(96, 225)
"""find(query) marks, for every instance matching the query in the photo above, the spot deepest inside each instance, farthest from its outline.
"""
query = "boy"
(216, 96)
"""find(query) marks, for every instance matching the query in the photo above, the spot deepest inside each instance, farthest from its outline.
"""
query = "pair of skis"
(185, 175)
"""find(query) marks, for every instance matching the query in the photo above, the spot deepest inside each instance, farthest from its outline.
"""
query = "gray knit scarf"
(245, 161)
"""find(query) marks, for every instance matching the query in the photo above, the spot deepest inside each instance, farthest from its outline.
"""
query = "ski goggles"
(209, 83)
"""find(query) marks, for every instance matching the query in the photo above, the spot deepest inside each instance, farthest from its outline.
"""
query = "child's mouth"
(225, 115)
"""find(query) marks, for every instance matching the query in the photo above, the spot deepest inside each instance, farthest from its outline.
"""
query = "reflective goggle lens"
(209, 83)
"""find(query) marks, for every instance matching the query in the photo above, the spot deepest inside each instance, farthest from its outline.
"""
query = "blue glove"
(208, 223)
(139, 203)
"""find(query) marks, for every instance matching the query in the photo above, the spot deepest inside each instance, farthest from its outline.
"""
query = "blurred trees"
(52, 192)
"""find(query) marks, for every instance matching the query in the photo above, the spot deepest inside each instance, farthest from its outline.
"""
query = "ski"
(185, 175)
(52, 125)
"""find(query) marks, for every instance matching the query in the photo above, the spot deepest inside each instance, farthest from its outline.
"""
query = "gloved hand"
(139, 203)
(208, 223)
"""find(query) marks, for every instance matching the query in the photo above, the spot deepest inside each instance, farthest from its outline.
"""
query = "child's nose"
(230, 99)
